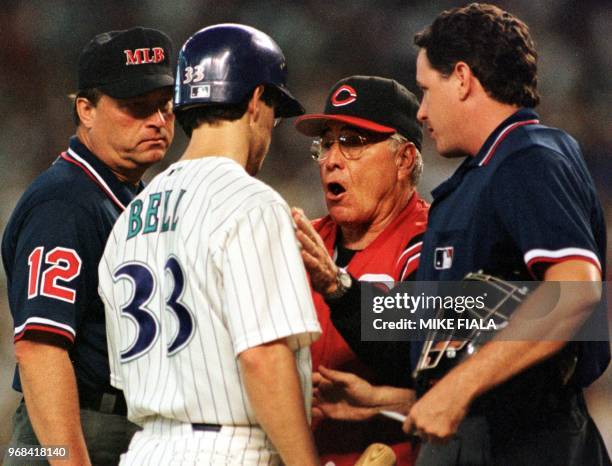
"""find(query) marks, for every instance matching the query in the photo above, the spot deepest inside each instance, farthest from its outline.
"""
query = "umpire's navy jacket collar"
(521, 116)
(95, 168)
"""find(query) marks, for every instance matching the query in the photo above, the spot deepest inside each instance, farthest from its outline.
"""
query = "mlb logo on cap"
(127, 63)
(443, 258)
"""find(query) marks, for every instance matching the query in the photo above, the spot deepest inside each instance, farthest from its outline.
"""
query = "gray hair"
(417, 170)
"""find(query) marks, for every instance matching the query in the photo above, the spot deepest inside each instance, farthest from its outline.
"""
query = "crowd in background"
(323, 41)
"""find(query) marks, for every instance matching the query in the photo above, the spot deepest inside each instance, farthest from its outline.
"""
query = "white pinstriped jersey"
(202, 266)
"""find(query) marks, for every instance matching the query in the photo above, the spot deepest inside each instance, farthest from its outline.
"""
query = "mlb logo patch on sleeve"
(443, 258)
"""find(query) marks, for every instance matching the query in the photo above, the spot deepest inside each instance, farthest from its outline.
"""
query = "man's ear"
(406, 160)
(465, 79)
(254, 107)
(86, 111)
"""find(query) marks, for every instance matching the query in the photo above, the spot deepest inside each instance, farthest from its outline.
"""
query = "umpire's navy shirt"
(51, 249)
(523, 203)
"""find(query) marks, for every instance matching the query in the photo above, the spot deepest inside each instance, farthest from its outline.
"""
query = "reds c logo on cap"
(344, 95)
(144, 56)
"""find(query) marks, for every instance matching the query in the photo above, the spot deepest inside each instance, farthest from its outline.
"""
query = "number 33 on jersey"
(146, 323)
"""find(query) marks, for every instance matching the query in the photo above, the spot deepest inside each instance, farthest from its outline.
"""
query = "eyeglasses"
(351, 144)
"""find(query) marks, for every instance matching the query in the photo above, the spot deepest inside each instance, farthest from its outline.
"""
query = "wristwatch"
(343, 282)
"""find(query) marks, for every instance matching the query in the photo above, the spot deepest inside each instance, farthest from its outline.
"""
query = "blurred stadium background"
(323, 41)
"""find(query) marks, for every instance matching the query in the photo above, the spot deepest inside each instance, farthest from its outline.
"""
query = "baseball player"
(367, 148)
(521, 206)
(208, 308)
(54, 240)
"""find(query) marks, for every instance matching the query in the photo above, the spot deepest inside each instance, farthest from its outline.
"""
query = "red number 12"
(65, 265)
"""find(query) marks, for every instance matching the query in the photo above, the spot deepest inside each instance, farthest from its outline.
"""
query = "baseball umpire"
(521, 206)
(55, 238)
(208, 308)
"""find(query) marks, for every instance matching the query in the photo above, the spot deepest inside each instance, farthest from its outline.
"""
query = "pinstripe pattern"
(177, 444)
(245, 284)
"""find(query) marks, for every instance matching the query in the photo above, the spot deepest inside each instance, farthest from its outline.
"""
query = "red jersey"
(392, 257)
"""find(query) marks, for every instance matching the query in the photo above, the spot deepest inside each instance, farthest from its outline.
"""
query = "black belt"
(206, 427)
(108, 403)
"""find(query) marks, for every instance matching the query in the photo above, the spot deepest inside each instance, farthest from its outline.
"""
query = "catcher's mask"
(444, 349)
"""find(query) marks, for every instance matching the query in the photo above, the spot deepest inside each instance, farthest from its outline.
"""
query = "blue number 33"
(147, 324)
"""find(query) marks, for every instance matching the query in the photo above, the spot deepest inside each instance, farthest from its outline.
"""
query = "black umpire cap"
(127, 63)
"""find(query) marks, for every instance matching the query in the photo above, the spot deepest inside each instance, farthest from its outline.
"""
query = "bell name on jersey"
(148, 220)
